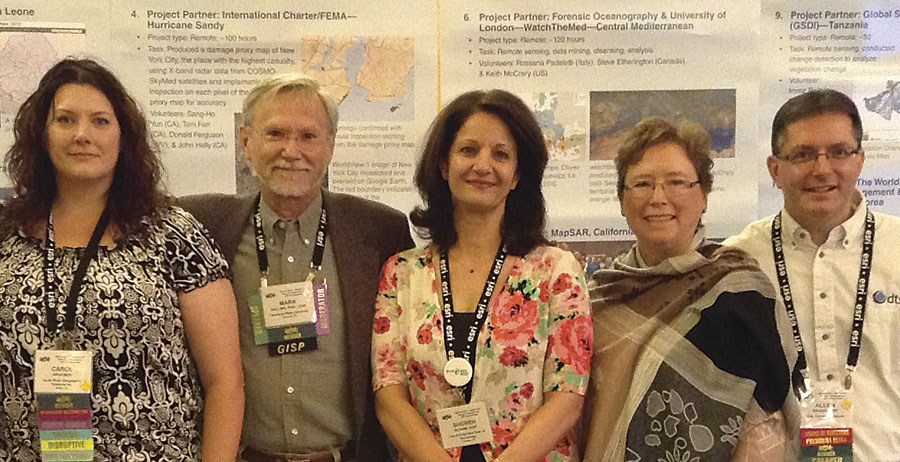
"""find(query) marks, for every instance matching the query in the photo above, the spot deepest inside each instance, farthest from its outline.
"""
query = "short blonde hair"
(654, 131)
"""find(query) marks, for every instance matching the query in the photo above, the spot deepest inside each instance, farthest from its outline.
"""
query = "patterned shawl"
(687, 361)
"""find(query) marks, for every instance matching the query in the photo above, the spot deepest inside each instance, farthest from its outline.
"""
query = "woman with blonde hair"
(687, 364)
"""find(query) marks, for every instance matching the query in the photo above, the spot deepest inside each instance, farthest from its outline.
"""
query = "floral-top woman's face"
(481, 169)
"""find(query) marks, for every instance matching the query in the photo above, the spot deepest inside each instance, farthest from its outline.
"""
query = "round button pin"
(458, 372)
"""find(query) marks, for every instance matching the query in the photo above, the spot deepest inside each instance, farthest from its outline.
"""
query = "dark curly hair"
(523, 221)
(135, 192)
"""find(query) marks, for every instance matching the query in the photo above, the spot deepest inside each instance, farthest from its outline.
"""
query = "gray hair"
(301, 83)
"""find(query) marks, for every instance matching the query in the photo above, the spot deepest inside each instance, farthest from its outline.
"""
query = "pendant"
(65, 341)
(458, 372)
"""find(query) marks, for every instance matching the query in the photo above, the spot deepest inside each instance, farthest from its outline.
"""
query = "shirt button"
(825, 336)
(802, 235)
(306, 241)
(281, 224)
(822, 295)
(821, 254)
(294, 431)
(290, 259)
(830, 377)
(290, 389)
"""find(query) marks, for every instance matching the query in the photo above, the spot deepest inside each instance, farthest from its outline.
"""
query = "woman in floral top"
(480, 178)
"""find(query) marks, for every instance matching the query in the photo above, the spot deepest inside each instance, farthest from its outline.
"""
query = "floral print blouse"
(537, 338)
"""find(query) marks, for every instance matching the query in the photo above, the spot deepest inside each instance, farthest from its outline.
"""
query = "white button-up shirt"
(823, 283)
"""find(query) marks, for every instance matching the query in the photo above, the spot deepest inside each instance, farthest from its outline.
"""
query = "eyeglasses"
(804, 154)
(673, 187)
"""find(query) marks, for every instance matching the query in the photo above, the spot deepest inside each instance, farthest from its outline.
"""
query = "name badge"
(263, 333)
(826, 430)
(62, 387)
(828, 406)
(464, 425)
(62, 371)
(288, 304)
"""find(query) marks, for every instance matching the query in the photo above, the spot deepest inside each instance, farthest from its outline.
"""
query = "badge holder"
(287, 317)
(464, 425)
(467, 424)
(62, 386)
(826, 431)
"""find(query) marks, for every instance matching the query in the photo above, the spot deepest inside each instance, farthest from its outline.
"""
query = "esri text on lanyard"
(63, 378)
(64, 335)
(859, 311)
(460, 366)
(263, 259)
(289, 317)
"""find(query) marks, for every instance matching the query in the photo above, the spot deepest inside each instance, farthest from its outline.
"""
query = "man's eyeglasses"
(673, 187)
(804, 154)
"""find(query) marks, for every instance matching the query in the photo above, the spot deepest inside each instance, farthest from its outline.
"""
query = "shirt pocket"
(880, 326)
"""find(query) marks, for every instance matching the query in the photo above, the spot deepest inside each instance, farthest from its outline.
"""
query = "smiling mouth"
(659, 218)
(820, 189)
(289, 169)
(480, 184)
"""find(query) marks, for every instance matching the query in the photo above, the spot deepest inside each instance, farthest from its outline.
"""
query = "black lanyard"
(262, 257)
(859, 311)
(467, 344)
(50, 273)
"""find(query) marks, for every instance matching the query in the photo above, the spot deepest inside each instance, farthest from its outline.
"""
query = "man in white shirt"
(825, 237)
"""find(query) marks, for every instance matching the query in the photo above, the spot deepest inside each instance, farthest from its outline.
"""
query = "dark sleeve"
(386, 229)
(738, 333)
(206, 208)
(399, 232)
(223, 215)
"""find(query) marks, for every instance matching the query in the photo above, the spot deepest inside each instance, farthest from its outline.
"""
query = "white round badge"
(458, 372)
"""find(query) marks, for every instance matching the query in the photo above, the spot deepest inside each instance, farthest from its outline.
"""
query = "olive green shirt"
(297, 402)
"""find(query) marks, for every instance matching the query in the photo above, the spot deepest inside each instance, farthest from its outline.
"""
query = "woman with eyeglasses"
(687, 360)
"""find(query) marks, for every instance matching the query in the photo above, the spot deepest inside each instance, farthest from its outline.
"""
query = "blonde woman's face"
(663, 201)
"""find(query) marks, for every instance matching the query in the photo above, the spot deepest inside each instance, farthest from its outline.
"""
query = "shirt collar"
(845, 233)
(309, 219)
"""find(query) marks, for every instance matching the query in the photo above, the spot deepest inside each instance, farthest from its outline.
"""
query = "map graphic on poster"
(886, 102)
(371, 77)
(613, 113)
(562, 116)
(27, 50)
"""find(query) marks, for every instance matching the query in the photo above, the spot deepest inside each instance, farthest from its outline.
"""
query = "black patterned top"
(147, 399)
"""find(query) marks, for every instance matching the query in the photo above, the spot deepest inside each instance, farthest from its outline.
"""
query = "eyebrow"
(57, 109)
(495, 145)
(665, 175)
(839, 143)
